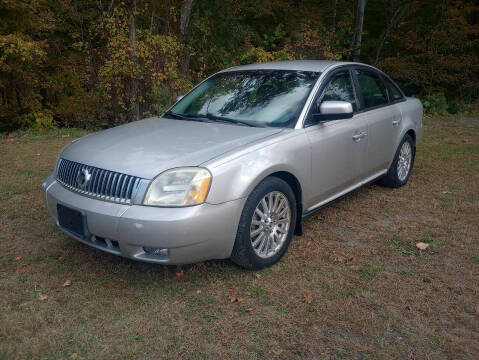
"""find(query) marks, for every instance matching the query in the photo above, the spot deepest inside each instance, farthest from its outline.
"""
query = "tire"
(270, 248)
(395, 177)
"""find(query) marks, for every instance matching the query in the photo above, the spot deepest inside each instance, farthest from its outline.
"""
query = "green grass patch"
(370, 271)
(403, 249)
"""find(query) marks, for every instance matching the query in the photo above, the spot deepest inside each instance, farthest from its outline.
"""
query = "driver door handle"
(396, 122)
(359, 136)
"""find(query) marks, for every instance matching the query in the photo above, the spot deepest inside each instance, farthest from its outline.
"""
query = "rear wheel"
(266, 225)
(400, 170)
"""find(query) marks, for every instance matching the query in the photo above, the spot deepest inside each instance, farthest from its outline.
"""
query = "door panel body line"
(345, 191)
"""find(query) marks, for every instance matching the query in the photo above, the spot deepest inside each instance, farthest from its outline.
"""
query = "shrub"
(39, 120)
(435, 104)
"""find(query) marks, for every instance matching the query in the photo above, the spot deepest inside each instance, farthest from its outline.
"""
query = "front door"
(338, 147)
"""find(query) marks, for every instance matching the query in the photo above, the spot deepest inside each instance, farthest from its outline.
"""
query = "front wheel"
(400, 170)
(266, 225)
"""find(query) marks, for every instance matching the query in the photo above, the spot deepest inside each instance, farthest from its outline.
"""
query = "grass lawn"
(354, 286)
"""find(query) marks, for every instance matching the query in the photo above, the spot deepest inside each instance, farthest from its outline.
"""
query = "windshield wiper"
(184, 117)
(210, 116)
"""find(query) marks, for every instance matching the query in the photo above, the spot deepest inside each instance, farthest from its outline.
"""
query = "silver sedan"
(231, 168)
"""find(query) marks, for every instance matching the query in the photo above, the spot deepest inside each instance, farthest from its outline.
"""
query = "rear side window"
(372, 89)
(393, 90)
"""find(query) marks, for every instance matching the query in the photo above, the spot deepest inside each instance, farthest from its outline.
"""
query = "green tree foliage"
(98, 63)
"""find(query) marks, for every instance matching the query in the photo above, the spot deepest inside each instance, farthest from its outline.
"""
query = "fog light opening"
(156, 251)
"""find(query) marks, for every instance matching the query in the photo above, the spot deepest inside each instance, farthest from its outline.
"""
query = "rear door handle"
(396, 122)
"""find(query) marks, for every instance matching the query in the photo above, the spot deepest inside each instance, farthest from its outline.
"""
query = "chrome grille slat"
(93, 178)
(96, 190)
(104, 184)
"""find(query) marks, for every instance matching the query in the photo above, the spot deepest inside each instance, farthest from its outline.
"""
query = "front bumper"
(191, 234)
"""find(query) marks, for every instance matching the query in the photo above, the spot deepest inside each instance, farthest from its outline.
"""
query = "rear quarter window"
(394, 92)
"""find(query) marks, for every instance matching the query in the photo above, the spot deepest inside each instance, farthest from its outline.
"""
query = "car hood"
(148, 147)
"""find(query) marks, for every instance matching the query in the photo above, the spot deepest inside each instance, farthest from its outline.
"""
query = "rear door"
(383, 117)
(338, 147)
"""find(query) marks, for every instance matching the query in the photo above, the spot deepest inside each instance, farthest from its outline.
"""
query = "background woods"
(97, 63)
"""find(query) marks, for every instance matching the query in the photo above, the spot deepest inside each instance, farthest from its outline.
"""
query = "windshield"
(253, 98)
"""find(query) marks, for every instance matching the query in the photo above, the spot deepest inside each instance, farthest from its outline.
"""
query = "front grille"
(103, 184)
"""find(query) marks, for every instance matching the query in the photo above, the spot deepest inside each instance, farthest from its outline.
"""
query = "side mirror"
(179, 98)
(334, 110)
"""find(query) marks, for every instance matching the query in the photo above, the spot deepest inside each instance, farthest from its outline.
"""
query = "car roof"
(295, 65)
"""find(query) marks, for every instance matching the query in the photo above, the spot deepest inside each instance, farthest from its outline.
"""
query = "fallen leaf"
(198, 292)
(180, 273)
(67, 283)
(18, 258)
(308, 298)
(249, 309)
(258, 276)
(235, 298)
(15, 269)
(42, 297)
(422, 246)
(176, 302)
(477, 309)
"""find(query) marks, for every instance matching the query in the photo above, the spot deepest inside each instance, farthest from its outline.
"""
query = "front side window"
(372, 89)
(340, 89)
(256, 98)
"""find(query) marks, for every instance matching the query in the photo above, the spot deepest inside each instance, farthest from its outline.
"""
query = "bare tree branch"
(393, 22)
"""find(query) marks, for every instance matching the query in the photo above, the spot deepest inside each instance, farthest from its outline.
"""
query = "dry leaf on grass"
(176, 302)
(67, 283)
(258, 276)
(42, 297)
(198, 292)
(308, 298)
(477, 309)
(18, 258)
(235, 298)
(179, 273)
(15, 269)
(342, 259)
(422, 246)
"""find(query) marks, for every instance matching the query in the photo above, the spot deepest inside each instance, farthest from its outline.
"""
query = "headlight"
(179, 187)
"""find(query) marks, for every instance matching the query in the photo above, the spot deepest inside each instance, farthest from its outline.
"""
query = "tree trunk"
(184, 22)
(185, 16)
(134, 113)
(358, 30)
(335, 4)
